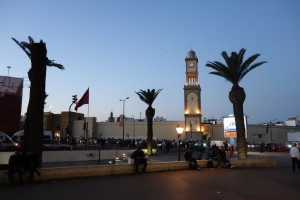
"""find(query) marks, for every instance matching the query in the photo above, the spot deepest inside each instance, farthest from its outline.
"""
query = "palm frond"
(251, 68)
(51, 63)
(148, 96)
(25, 46)
(248, 62)
(235, 68)
(31, 41)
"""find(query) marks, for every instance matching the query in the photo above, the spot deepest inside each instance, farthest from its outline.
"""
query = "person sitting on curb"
(15, 164)
(139, 158)
(31, 164)
(222, 158)
(192, 161)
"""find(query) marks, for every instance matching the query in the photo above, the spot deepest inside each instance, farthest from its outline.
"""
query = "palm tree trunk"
(237, 97)
(150, 112)
(240, 130)
(33, 129)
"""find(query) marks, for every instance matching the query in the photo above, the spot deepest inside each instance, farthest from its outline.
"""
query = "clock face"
(191, 64)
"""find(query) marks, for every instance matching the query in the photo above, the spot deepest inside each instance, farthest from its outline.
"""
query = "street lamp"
(8, 68)
(133, 126)
(191, 125)
(123, 114)
(179, 131)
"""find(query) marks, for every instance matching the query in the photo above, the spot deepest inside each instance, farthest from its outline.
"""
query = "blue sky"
(117, 47)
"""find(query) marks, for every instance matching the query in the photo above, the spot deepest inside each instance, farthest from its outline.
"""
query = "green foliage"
(148, 96)
(235, 68)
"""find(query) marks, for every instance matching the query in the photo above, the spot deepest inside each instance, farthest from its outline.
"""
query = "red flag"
(84, 100)
(267, 128)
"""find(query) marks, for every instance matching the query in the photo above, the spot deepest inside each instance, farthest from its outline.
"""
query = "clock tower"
(192, 98)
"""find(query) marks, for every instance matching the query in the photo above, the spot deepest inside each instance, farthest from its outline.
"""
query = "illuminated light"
(198, 129)
(179, 130)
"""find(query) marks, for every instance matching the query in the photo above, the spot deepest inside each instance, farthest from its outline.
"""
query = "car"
(200, 146)
(52, 145)
(6, 143)
(19, 135)
(253, 147)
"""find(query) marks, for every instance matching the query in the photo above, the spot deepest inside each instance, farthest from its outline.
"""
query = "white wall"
(66, 156)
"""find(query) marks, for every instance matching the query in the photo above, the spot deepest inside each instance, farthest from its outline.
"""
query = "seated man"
(31, 163)
(192, 161)
(222, 158)
(139, 158)
(15, 164)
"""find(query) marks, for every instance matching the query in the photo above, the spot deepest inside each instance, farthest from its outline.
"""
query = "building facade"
(11, 90)
(167, 130)
(192, 97)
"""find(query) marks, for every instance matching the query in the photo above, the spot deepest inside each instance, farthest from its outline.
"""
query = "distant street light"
(133, 126)
(179, 131)
(123, 118)
(8, 68)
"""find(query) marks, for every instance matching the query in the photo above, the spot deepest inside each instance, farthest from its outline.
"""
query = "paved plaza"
(231, 184)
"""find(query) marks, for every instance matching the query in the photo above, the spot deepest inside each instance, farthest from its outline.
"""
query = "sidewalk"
(283, 159)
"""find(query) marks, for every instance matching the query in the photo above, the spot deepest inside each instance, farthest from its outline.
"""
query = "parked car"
(18, 136)
(200, 146)
(253, 147)
(6, 143)
(52, 145)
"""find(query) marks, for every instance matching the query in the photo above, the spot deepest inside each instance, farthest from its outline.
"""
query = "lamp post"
(123, 114)
(179, 131)
(133, 126)
(191, 125)
(8, 68)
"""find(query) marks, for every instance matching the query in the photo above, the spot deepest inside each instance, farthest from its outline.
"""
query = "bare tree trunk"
(33, 129)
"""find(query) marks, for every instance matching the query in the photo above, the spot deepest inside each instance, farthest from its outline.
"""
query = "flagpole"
(89, 104)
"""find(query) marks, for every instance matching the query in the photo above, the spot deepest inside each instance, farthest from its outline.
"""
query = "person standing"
(295, 155)
(231, 151)
(15, 164)
(139, 158)
(261, 147)
(225, 144)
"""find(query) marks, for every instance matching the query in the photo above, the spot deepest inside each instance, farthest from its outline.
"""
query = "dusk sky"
(117, 47)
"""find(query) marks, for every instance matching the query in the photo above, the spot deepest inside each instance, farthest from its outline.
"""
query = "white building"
(294, 121)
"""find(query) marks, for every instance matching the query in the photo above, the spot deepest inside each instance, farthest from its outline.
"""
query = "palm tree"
(234, 71)
(148, 97)
(33, 127)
